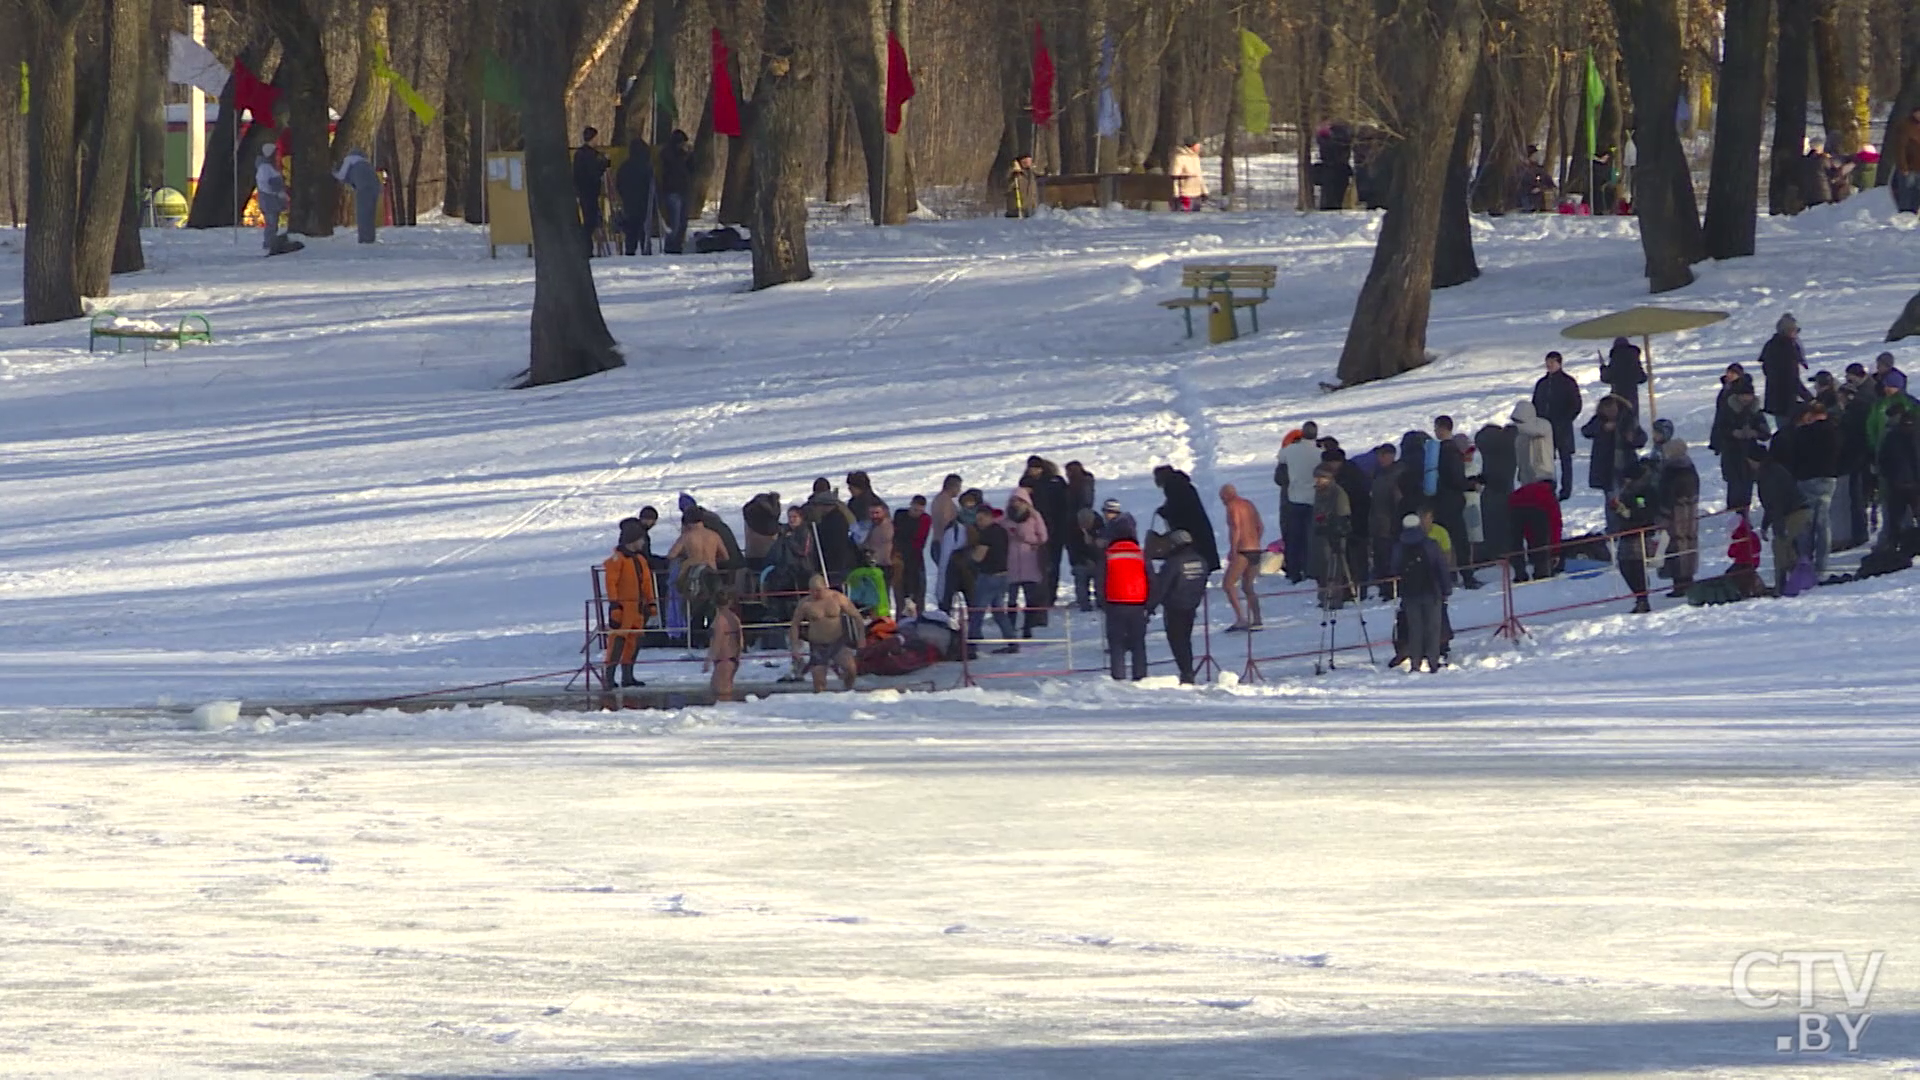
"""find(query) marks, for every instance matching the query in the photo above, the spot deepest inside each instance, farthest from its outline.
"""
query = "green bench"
(191, 326)
(1239, 280)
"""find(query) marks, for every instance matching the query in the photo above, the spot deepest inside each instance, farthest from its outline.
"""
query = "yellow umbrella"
(1643, 323)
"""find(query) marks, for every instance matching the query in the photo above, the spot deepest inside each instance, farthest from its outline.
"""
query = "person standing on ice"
(1739, 426)
(631, 601)
(1246, 542)
(1451, 488)
(270, 190)
(1623, 371)
(1052, 497)
(832, 628)
(1029, 542)
(728, 644)
(946, 507)
(1124, 596)
(1424, 585)
(1293, 474)
(1189, 183)
(1784, 512)
(589, 165)
(1556, 399)
(1183, 510)
(358, 173)
(1781, 361)
(1678, 512)
(1617, 438)
(1630, 515)
(1383, 515)
(1179, 587)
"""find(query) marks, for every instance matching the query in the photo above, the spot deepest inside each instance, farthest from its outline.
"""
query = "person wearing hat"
(1424, 583)
(589, 166)
(1815, 179)
(1623, 372)
(631, 601)
(1189, 184)
(1677, 511)
(1883, 366)
(1179, 587)
(1332, 528)
(1784, 512)
(1739, 426)
(1124, 594)
(1556, 399)
(270, 190)
(1781, 361)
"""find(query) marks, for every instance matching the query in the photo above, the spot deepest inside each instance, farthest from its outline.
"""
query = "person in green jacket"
(1894, 400)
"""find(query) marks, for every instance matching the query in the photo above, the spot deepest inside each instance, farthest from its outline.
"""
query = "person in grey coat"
(270, 190)
(358, 173)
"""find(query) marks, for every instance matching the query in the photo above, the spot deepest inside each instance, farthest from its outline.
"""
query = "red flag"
(726, 107)
(1042, 79)
(899, 82)
(252, 95)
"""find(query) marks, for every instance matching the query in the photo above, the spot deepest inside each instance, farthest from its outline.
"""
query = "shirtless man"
(723, 652)
(1244, 530)
(821, 621)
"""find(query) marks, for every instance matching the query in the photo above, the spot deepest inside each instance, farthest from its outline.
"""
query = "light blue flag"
(1109, 121)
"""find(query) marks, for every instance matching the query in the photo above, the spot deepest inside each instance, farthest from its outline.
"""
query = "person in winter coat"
(630, 602)
(358, 174)
(1678, 512)
(1536, 525)
(1533, 445)
(1904, 147)
(1354, 479)
(1630, 517)
(1556, 400)
(1498, 450)
(589, 166)
(1781, 361)
(1029, 543)
(1189, 184)
(1052, 496)
(1124, 595)
(1183, 510)
(1332, 527)
(676, 189)
(1081, 486)
(1425, 584)
(1450, 499)
(1383, 514)
(1898, 464)
(1856, 460)
(633, 182)
(1816, 186)
(761, 516)
(1784, 511)
(1816, 465)
(991, 554)
(1086, 547)
(1623, 372)
(1293, 474)
(270, 188)
(1245, 544)
(1178, 589)
(1414, 475)
(833, 521)
(1738, 427)
(1617, 438)
(860, 496)
(911, 528)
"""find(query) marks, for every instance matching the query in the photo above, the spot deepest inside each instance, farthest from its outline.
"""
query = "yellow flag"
(1255, 114)
(402, 89)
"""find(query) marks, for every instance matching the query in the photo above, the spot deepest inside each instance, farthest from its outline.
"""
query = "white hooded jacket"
(1532, 445)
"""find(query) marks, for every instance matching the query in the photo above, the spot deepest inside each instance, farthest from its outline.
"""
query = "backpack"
(1416, 570)
(867, 589)
(1430, 474)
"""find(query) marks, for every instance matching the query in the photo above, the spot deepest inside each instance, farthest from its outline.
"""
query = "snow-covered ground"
(1544, 862)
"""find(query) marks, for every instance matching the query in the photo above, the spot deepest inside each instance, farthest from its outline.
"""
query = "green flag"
(499, 83)
(663, 85)
(402, 89)
(1255, 114)
(1595, 93)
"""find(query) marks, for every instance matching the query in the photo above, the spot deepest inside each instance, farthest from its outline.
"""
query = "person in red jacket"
(1534, 511)
(1124, 594)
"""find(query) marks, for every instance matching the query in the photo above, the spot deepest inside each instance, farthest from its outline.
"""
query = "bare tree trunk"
(1908, 98)
(110, 150)
(1836, 90)
(1733, 195)
(367, 102)
(51, 286)
(1425, 59)
(782, 102)
(569, 335)
(1175, 88)
(1790, 106)
(1453, 259)
(1663, 197)
(628, 83)
(901, 199)
(150, 134)
(835, 188)
(462, 77)
(583, 65)
(303, 76)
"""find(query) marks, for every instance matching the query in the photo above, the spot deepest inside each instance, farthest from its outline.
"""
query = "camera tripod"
(1339, 572)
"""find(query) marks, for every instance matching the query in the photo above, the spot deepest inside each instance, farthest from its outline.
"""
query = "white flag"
(190, 62)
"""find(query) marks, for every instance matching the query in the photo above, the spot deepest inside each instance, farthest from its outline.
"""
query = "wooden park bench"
(191, 326)
(1238, 281)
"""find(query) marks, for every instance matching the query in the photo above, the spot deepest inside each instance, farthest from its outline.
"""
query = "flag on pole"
(1109, 122)
(663, 83)
(899, 83)
(252, 95)
(1042, 106)
(726, 107)
(499, 83)
(1256, 115)
(194, 64)
(1595, 93)
(402, 89)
